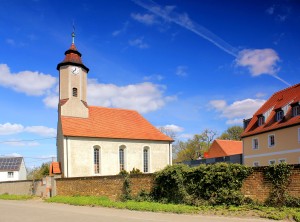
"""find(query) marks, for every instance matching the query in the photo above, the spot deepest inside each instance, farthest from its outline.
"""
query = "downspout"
(170, 153)
(67, 156)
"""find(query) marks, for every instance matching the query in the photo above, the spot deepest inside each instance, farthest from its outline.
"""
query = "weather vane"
(73, 33)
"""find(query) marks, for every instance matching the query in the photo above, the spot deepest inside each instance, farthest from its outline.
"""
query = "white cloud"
(41, 130)
(13, 154)
(122, 30)
(11, 42)
(154, 77)
(238, 110)
(270, 10)
(181, 70)
(148, 19)
(259, 61)
(260, 95)
(30, 83)
(172, 127)
(186, 136)
(21, 143)
(8, 128)
(139, 43)
(143, 97)
(51, 101)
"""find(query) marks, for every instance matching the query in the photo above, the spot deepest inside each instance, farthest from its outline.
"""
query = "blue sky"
(186, 65)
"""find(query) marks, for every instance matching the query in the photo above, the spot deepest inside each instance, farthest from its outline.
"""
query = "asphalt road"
(37, 211)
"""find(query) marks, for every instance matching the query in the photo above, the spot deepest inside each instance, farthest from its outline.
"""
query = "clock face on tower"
(75, 70)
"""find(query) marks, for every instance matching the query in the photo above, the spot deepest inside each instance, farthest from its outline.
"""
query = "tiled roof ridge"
(15, 157)
(114, 108)
(286, 89)
(228, 140)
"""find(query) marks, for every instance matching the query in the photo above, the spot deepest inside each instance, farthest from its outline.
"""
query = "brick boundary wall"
(255, 186)
(258, 188)
(109, 186)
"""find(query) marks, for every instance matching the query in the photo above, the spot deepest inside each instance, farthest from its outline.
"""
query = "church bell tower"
(73, 84)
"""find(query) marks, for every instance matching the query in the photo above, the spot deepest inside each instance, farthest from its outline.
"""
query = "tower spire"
(73, 34)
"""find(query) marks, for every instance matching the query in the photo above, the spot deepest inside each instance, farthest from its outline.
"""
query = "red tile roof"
(278, 100)
(220, 148)
(54, 168)
(112, 123)
(73, 57)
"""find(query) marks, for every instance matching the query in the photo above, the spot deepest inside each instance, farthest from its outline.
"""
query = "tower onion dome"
(73, 57)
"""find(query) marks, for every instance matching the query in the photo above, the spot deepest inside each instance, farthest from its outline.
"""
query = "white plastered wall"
(79, 158)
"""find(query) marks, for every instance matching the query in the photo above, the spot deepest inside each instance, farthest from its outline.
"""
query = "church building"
(95, 141)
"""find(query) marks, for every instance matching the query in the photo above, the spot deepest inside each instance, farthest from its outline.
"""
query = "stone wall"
(110, 186)
(24, 187)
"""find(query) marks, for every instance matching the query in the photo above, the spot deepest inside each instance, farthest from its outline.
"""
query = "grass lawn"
(238, 211)
(15, 197)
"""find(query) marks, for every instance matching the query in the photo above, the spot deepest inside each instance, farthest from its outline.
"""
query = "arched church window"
(122, 157)
(75, 92)
(146, 159)
(96, 159)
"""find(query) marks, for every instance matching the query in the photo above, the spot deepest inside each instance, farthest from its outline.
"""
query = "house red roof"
(112, 123)
(220, 148)
(54, 168)
(278, 100)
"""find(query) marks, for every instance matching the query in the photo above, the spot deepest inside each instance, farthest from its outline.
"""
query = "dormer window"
(75, 92)
(296, 110)
(261, 120)
(279, 115)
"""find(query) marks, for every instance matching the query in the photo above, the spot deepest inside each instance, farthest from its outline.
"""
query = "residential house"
(94, 140)
(229, 151)
(12, 168)
(225, 148)
(272, 135)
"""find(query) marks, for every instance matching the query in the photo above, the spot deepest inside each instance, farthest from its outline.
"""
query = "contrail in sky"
(184, 21)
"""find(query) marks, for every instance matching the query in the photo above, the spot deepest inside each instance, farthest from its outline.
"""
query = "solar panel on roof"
(10, 163)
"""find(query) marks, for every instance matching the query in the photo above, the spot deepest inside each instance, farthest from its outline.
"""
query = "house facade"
(272, 135)
(93, 140)
(12, 168)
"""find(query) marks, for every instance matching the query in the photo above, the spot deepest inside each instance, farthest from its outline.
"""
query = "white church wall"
(80, 153)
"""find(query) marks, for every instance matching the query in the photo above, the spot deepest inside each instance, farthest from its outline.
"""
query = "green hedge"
(213, 184)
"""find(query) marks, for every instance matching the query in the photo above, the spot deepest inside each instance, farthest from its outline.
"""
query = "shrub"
(219, 183)
(216, 184)
(279, 176)
(170, 184)
(135, 171)
(123, 173)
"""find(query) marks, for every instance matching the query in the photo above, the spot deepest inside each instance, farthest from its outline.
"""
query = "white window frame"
(279, 115)
(269, 140)
(281, 160)
(256, 163)
(10, 174)
(271, 161)
(254, 147)
(296, 110)
(261, 120)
